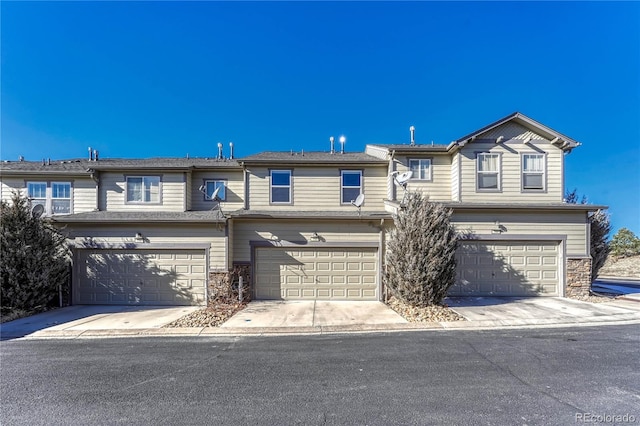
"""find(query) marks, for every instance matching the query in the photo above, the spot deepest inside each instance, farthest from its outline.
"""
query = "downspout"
(391, 188)
(245, 182)
(381, 254)
(95, 176)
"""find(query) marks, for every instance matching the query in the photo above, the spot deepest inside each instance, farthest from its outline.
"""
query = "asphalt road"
(504, 377)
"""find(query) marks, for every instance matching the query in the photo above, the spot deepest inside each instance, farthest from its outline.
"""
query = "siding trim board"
(98, 245)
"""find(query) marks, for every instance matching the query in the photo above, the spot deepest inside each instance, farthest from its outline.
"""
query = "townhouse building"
(313, 225)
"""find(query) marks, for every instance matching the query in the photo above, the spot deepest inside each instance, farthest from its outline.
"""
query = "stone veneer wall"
(223, 285)
(578, 277)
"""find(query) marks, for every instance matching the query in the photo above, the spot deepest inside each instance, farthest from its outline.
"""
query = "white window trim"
(271, 186)
(428, 178)
(544, 172)
(221, 181)
(48, 198)
(498, 172)
(70, 198)
(342, 186)
(142, 202)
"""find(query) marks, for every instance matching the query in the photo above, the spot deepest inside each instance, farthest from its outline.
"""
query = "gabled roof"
(311, 158)
(556, 138)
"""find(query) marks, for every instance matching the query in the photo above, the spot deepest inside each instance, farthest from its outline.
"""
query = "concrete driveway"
(541, 310)
(303, 317)
(73, 319)
(281, 314)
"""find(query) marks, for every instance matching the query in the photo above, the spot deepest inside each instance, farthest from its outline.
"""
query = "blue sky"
(149, 79)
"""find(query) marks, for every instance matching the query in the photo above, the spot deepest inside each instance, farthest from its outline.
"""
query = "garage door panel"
(150, 277)
(323, 273)
(507, 269)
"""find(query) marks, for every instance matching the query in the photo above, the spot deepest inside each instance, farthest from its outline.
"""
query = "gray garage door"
(513, 268)
(327, 274)
(140, 277)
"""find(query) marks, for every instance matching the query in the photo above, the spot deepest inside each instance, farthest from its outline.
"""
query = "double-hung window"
(54, 197)
(421, 168)
(143, 189)
(60, 198)
(281, 186)
(533, 171)
(351, 185)
(210, 188)
(488, 171)
(37, 193)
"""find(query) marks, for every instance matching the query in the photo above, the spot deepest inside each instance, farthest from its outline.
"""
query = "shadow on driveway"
(481, 301)
(94, 317)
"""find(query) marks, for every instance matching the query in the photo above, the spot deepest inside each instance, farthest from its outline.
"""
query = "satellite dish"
(403, 178)
(37, 211)
(358, 201)
(214, 196)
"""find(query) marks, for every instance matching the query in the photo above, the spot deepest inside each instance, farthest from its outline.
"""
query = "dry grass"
(627, 267)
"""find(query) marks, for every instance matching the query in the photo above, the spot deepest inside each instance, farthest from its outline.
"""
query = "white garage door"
(513, 268)
(327, 273)
(140, 277)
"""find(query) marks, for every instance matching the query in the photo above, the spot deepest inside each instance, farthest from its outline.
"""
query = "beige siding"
(511, 172)
(234, 189)
(509, 130)
(85, 195)
(11, 184)
(572, 224)
(83, 190)
(291, 231)
(455, 177)
(318, 188)
(124, 236)
(439, 188)
(113, 192)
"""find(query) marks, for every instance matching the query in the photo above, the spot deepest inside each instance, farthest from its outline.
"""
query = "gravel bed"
(211, 316)
(433, 313)
(592, 298)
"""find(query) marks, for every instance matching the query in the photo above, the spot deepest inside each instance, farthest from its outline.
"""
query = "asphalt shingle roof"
(141, 216)
(83, 165)
(313, 157)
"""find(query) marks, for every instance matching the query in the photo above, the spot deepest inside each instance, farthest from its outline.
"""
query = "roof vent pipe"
(95, 155)
(230, 150)
(219, 150)
(412, 131)
(333, 148)
(90, 154)
(48, 161)
(342, 141)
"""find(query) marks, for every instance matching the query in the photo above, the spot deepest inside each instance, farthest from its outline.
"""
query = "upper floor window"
(488, 171)
(211, 186)
(533, 171)
(281, 186)
(55, 197)
(143, 189)
(351, 185)
(421, 168)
